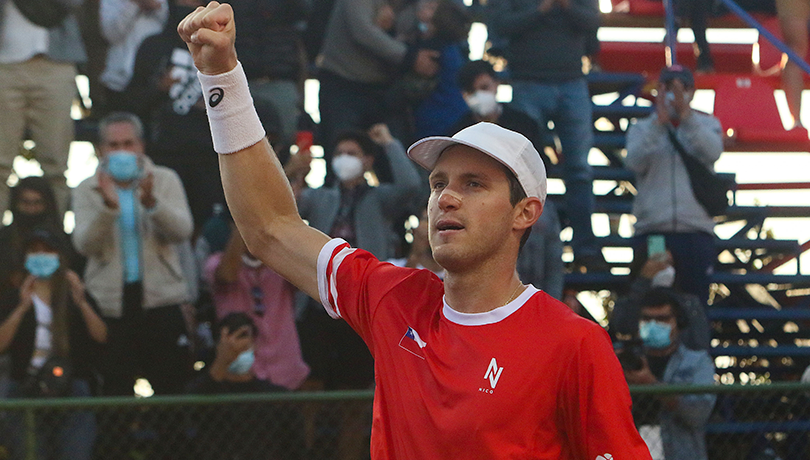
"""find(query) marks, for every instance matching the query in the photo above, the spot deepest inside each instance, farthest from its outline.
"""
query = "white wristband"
(231, 115)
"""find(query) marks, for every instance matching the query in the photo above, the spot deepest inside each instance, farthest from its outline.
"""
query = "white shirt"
(43, 342)
(125, 27)
(20, 39)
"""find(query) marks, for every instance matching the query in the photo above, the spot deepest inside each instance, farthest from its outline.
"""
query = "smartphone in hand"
(656, 244)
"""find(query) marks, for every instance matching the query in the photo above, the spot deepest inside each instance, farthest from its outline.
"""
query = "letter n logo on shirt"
(493, 373)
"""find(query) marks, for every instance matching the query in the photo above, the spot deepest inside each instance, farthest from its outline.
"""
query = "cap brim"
(426, 152)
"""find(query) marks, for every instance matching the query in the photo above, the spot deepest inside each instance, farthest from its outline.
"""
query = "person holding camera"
(130, 217)
(258, 430)
(662, 359)
(665, 204)
(51, 331)
(653, 272)
(242, 284)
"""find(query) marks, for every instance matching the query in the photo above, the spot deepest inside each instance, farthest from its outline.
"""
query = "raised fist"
(210, 33)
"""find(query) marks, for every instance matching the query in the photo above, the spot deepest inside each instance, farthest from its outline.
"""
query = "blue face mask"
(655, 334)
(42, 264)
(123, 165)
(242, 364)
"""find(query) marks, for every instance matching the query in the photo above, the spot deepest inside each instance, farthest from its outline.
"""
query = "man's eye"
(473, 183)
(437, 185)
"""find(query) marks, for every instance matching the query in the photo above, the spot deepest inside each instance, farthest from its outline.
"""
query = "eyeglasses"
(258, 300)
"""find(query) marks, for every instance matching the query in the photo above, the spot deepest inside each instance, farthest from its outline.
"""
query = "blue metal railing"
(670, 40)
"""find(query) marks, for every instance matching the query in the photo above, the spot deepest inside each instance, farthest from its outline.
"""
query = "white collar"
(488, 317)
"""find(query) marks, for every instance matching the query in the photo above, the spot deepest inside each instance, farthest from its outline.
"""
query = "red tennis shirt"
(528, 380)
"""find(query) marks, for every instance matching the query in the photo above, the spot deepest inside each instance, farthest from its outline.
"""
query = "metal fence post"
(30, 434)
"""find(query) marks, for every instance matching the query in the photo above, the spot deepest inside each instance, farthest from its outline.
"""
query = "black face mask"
(28, 220)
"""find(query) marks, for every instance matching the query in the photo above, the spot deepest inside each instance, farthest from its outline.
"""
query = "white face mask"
(482, 103)
(347, 167)
(664, 278)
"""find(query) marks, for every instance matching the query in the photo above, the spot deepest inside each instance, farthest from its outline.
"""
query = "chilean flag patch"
(413, 343)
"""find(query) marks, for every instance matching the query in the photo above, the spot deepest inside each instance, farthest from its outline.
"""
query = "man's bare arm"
(256, 188)
(263, 208)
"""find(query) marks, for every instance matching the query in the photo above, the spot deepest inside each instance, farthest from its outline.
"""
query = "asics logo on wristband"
(217, 94)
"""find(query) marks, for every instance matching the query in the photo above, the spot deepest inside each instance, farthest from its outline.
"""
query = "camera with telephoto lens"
(630, 353)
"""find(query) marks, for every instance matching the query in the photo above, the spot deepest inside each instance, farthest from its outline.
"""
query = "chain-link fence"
(746, 423)
(277, 426)
(743, 422)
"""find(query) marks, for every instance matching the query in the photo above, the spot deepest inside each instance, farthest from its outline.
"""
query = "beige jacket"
(96, 236)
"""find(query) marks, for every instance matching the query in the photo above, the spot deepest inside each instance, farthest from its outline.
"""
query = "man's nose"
(449, 199)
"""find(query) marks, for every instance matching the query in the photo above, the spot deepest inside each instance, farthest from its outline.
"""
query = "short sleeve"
(352, 283)
(595, 404)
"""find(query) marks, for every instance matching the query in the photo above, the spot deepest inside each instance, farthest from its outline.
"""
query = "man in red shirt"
(477, 367)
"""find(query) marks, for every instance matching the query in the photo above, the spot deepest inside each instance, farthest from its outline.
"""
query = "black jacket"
(84, 351)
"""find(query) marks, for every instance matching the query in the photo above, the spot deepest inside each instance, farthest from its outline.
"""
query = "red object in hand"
(304, 140)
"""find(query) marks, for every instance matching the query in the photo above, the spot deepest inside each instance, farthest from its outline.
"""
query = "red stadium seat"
(639, 7)
(648, 58)
(747, 109)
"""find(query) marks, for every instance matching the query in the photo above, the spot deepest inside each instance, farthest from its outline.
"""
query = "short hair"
(362, 139)
(120, 117)
(472, 70)
(516, 194)
(234, 321)
(660, 296)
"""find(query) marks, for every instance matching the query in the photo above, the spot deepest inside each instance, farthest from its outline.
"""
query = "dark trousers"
(152, 344)
(346, 106)
(59, 434)
(201, 182)
(336, 355)
(697, 12)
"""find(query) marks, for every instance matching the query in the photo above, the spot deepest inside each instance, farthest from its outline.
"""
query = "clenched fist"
(210, 33)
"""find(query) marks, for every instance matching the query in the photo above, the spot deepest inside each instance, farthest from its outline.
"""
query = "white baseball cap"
(511, 149)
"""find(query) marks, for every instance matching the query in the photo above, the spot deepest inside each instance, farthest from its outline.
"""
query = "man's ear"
(528, 211)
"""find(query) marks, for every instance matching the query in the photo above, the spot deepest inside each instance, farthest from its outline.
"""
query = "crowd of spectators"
(124, 295)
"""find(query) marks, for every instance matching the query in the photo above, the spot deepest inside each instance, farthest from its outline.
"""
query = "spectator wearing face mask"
(652, 273)
(540, 261)
(353, 209)
(241, 284)
(52, 332)
(232, 368)
(665, 360)
(363, 215)
(167, 97)
(665, 205)
(269, 431)
(130, 217)
(32, 205)
(479, 87)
